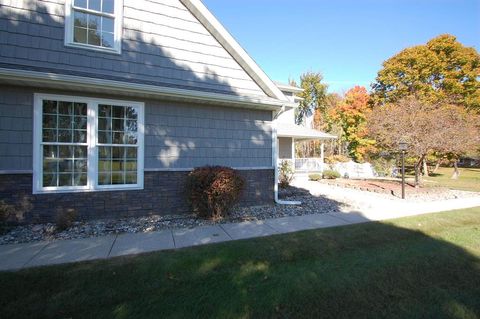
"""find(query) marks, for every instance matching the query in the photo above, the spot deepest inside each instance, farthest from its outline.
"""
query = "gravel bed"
(310, 205)
(41, 232)
(393, 191)
(414, 195)
(436, 196)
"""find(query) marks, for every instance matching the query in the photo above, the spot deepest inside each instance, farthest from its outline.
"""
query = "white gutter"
(121, 87)
(275, 163)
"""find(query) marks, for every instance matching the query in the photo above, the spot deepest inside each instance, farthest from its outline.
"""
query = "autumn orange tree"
(351, 116)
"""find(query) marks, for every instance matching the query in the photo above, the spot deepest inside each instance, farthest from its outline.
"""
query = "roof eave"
(307, 137)
(76, 83)
(299, 132)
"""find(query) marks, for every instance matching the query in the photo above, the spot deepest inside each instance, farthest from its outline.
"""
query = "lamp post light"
(403, 146)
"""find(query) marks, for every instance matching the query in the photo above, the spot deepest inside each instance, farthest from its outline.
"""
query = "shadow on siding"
(177, 135)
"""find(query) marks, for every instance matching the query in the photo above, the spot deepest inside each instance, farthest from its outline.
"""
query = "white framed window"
(94, 24)
(87, 144)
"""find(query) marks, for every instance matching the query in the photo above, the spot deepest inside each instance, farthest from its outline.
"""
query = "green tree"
(314, 96)
(442, 70)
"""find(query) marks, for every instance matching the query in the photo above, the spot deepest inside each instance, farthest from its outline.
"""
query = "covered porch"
(288, 135)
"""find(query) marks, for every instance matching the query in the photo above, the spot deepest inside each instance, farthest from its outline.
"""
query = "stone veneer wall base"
(162, 195)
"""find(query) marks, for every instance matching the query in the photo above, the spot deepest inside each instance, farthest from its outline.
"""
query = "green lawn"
(420, 267)
(469, 179)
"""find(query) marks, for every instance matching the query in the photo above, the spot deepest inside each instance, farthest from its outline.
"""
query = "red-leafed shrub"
(212, 191)
(5, 213)
(65, 219)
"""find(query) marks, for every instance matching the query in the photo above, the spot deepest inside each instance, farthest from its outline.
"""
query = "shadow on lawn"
(369, 270)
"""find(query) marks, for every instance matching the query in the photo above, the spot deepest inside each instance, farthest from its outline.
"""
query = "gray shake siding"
(184, 136)
(163, 45)
(16, 129)
(177, 135)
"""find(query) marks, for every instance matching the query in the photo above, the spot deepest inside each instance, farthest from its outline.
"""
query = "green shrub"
(211, 191)
(330, 174)
(383, 166)
(65, 219)
(315, 177)
(285, 173)
(337, 159)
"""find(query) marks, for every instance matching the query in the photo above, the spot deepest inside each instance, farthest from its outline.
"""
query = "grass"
(469, 179)
(417, 267)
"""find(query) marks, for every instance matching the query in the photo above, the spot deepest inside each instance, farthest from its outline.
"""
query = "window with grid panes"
(95, 24)
(87, 144)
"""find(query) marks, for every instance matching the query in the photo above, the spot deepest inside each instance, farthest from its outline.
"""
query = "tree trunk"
(456, 172)
(425, 167)
(437, 166)
(417, 171)
(417, 182)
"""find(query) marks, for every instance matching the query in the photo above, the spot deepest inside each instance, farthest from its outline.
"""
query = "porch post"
(322, 155)
(293, 153)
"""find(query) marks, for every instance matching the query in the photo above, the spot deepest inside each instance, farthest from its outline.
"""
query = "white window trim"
(118, 28)
(92, 108)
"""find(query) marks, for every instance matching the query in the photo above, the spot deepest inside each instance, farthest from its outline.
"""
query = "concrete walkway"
(374, 206)
(13, 257)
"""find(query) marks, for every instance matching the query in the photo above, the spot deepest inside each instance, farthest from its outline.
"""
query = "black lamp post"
(403, 146)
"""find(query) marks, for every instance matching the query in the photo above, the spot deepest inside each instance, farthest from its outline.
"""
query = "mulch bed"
(390, 187)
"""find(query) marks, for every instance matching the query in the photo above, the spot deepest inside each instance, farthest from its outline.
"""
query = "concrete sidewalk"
(19, 256)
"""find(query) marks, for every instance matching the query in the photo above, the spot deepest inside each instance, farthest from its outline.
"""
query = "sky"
(346, 40)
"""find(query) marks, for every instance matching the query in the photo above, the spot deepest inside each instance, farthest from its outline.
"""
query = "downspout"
(275, 160)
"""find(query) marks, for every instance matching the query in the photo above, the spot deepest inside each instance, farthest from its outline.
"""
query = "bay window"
(84, 144)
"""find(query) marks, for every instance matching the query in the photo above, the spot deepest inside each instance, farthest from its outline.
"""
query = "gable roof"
(211, 23)
(167, 52)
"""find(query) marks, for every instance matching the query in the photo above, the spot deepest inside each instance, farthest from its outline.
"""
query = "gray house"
(106, 105)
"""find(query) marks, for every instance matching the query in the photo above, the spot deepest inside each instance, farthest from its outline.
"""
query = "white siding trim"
(198, 9)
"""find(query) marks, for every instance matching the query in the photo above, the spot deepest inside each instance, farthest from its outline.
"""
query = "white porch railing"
(309, 164)
(305, 164)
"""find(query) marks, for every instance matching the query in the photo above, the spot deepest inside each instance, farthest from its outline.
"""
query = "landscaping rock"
(309, 205)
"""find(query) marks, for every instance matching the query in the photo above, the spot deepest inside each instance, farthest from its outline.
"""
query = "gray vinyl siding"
(177, 135)
(163, 44)
(185, 136)
(285, 147)
(16, 129)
